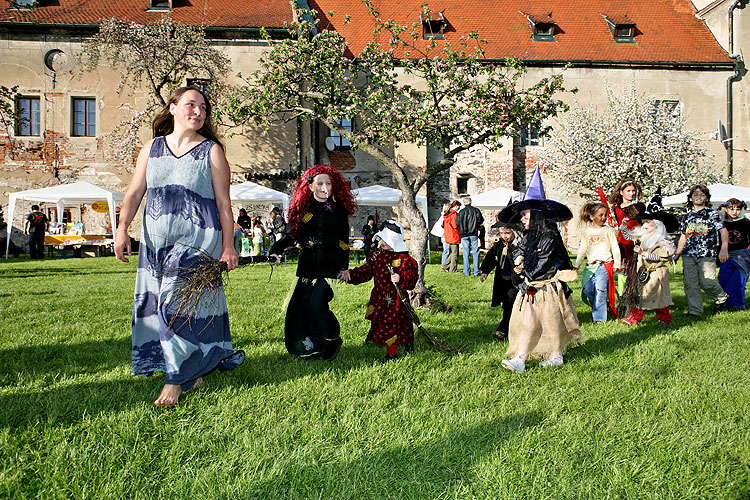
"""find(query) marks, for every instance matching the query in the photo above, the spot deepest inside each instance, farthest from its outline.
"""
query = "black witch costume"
(311, 330)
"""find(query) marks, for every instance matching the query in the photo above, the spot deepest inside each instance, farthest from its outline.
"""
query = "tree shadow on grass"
(32, 293)
(64, 360)
(56, 272)
(59, 398)
(440, 468)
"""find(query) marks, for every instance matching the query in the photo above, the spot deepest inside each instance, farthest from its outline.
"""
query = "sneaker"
(720, 306)
(628, 320)
(390, 357)
(514, 364)
(408, 347)
(551, 362)
(665, 322)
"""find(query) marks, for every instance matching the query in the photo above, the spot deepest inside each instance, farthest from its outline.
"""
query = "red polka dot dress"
(384, 309)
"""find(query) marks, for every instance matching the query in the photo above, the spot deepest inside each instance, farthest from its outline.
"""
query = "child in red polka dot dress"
(390, 323)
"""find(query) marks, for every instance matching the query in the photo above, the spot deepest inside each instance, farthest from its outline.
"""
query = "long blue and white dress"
(180, 223)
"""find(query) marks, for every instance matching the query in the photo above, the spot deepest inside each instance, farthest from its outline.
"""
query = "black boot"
(332, 349)
(390, 357)
(408, 347)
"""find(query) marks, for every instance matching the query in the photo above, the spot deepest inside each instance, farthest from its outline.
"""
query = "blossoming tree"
(405, 90)
(633, 137)
(158, 56)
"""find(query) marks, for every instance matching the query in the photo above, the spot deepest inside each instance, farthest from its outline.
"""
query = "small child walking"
(389, 266)
(734, 272)
(647, 286)
(500, 258)
(602, 252)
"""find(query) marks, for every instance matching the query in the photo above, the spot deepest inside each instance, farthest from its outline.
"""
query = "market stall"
(381, 196)
(67, 195)
(495, 199)
(719, 194)
(250, 192)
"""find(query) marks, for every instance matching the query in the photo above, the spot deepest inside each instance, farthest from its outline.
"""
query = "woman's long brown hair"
(163, 123)
(615, 199)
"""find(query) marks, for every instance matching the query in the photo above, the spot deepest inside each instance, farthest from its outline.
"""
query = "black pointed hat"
(516, 226)
(535, 199)
(655, 211)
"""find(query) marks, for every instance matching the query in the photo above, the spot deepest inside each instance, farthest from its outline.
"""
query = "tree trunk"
(420, 295)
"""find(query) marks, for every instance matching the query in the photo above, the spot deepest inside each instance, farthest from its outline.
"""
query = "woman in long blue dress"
(185, 176)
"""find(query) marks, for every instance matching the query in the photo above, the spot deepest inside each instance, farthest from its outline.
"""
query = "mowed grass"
(637, 412)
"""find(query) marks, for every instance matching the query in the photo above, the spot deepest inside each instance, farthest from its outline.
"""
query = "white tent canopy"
(65, 195)
(496, 199)
(719, 194)
(250, 192)
(381, 196)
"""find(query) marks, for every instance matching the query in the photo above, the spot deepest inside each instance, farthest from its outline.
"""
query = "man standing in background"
(35, 226)
(468, 221)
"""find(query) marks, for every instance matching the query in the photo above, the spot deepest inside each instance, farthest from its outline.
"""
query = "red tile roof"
(666, 30)
(219, 13)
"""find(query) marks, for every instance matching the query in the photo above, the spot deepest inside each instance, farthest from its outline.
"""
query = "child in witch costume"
(319, 219)
(647, 286)
(600, 248)
(390, 323)
(734, 272)
(544, 321)
(500, 258)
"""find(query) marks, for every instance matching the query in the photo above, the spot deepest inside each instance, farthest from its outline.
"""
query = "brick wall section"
(524, 162)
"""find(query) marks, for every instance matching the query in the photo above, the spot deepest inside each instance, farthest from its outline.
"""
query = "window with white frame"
(530, 135)
(84, 117)
(339, 142)
(28, 116)
(201, 83)
(670, 107)
(159, 4)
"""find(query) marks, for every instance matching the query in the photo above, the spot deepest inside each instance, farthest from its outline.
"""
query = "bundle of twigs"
(436, 343)
(631, 296)
(198, 286)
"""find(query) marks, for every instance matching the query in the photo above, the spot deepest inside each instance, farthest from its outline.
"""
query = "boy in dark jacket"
(500, 258)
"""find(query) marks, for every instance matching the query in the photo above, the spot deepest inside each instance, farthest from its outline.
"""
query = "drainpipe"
(737, 76)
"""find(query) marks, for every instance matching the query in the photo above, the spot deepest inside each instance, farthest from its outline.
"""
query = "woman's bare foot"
(197, 384)
(169, 395)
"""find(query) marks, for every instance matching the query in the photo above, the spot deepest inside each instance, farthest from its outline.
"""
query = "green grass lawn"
(637, 412)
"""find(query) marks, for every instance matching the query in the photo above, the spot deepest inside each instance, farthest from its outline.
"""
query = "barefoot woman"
(185, 176)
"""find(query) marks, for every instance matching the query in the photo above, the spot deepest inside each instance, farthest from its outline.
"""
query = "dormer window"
(23, 4)
(543, 27)
(433, 29)
(159, 4)
(621, 27)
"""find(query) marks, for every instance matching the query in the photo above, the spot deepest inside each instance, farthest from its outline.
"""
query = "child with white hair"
(389, 266)
(648, 283)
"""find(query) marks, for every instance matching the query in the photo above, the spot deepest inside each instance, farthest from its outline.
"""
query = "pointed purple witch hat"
(535, 199)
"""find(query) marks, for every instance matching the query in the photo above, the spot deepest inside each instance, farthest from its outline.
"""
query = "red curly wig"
(341, 193)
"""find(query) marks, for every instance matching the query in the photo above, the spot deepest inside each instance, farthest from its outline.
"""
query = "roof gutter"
(739, 71)
(701, 66)
(35, 27)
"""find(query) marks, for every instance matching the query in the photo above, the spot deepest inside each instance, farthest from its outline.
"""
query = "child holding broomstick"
(391, 324)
